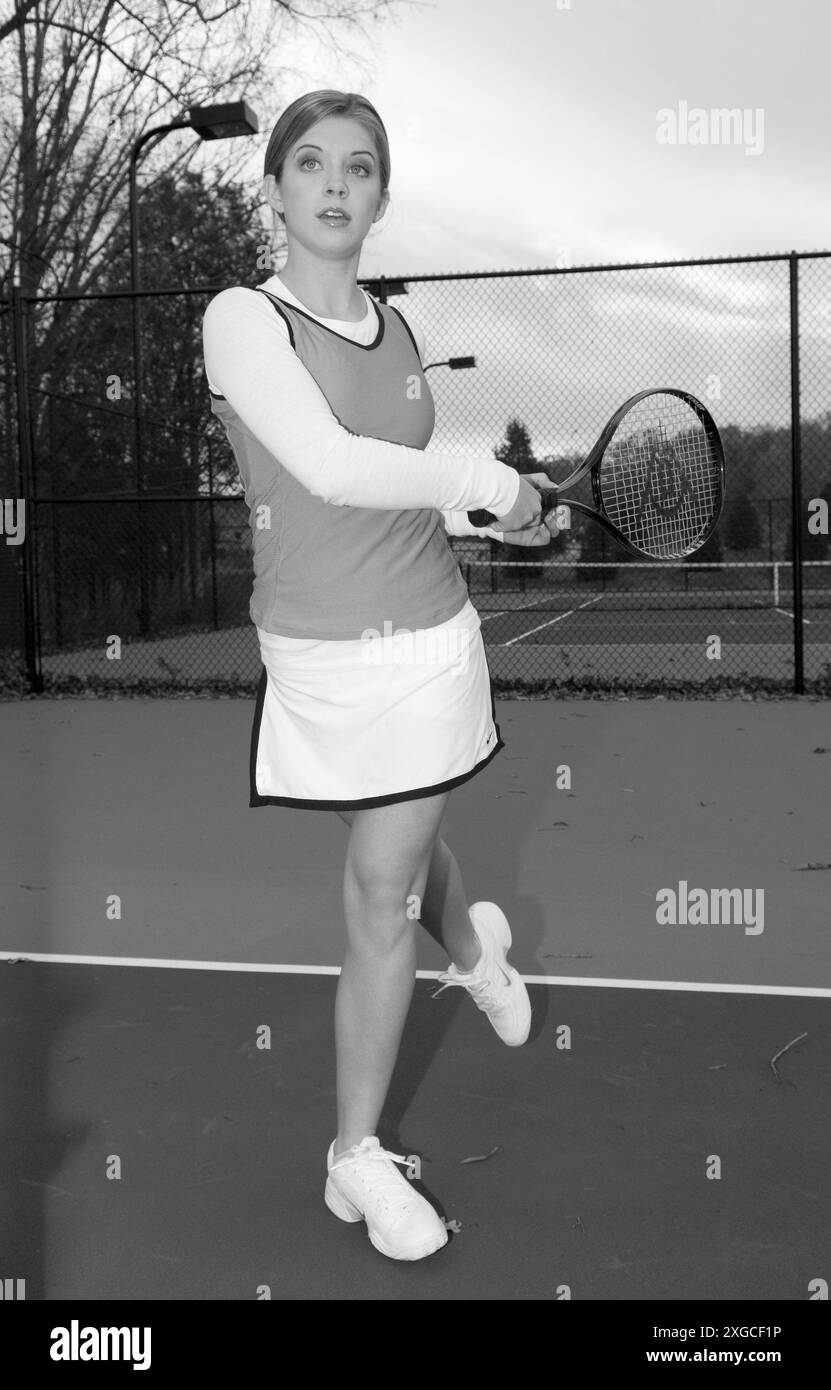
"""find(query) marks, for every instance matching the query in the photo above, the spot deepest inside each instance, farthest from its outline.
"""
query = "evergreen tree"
(86, 424)
(516, 449)
(741, 529)
(517, 452)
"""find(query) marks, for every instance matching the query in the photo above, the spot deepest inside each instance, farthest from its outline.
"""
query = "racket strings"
(660, 477)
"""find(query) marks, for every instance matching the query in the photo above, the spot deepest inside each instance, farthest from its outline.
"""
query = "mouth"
(336, 218)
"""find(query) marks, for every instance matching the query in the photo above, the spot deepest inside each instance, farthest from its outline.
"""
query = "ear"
(271, 193)
(382, 206)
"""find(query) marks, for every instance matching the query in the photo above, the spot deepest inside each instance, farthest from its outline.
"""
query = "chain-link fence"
(136, 570)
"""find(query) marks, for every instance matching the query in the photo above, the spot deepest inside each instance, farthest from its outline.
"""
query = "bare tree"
(81, 79)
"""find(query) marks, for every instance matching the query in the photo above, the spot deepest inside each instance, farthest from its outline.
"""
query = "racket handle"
(480, 517)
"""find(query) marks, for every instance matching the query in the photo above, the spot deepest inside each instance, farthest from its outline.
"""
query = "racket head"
(657, 474)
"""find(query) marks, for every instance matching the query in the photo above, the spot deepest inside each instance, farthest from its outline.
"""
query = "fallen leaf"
(782, 1052)
(480, 1158)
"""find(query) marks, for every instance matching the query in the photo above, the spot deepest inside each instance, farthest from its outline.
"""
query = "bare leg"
(444, 908)
(387, 862)
(444, 911)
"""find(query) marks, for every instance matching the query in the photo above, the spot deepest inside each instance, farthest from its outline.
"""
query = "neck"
(327, 288)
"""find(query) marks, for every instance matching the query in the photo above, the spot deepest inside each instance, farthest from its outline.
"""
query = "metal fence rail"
(135, 571)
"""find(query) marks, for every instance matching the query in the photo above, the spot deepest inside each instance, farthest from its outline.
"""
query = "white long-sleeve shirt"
(250, 361)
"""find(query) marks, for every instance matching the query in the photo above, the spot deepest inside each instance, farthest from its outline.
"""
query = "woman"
(375, 698)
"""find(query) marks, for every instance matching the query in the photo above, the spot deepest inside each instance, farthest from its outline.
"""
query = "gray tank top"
(330, 572)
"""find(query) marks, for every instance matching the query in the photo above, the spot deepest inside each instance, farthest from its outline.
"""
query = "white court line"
(503, 612)
(786, 614)
(586, 981)
(550, 622)
(166, 963)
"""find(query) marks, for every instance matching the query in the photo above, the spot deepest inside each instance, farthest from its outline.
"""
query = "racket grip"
(481, 517)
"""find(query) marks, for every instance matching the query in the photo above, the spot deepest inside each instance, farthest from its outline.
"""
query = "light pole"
(455, 364)
(210, 123)
(382, 288)
(459, 364)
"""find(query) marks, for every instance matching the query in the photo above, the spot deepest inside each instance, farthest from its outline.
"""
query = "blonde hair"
(312, 107)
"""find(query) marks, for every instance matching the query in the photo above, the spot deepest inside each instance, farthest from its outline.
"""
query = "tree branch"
(18, 19)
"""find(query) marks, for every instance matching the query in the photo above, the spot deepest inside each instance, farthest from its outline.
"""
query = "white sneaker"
(494, 986)
(364, 1184)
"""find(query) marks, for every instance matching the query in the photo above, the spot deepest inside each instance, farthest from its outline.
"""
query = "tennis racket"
(657, 476)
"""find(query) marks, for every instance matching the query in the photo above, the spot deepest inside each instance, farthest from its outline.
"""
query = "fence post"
(28, 558)
(212, 529)
(796, 482)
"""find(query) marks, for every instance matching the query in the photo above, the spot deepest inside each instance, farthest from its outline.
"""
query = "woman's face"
(334, 165)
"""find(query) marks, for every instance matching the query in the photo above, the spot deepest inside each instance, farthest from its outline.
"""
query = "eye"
(312, 159)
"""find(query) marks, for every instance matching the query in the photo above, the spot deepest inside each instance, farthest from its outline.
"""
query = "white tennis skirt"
(341, 725)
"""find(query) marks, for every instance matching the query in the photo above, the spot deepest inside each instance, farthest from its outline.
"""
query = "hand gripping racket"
(657, 476)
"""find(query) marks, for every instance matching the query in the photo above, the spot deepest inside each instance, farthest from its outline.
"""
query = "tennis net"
(646, 585)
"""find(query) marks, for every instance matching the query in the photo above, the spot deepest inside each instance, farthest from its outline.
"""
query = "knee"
(380, 898)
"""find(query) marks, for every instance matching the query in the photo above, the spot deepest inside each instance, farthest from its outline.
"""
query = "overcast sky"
(527, 133)
(518, 127)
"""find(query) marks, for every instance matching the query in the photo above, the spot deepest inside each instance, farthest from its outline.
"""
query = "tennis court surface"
(663, 1135)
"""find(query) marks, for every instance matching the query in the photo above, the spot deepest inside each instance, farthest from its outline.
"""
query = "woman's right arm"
(249, 361)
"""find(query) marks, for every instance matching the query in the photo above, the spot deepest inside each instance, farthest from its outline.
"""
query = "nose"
(335, 184)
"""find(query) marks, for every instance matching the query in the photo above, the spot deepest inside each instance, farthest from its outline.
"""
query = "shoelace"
(480, 991)
(386, 1180)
